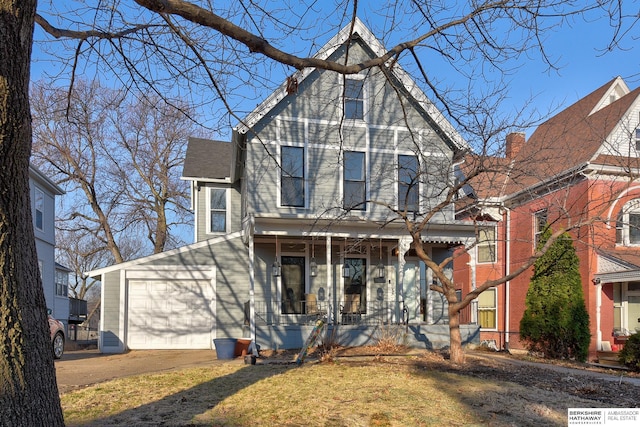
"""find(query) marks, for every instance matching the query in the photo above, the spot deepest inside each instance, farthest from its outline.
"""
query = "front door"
(293, 284)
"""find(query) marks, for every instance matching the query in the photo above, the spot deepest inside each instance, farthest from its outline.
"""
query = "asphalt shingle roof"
(207, 159)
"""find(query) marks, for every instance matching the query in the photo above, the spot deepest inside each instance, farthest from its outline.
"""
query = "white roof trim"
(331, 46)
(161, 255)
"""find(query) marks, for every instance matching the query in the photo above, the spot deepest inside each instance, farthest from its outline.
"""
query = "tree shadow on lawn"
(180, 408)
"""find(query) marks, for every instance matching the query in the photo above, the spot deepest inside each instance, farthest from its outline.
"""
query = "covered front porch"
(359, 279)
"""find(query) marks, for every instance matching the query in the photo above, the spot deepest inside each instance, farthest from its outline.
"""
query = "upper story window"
(638, 139)
(217, 210)
(354, 99)
(408, 183)
(628, 224)
(354, 184)
(292, 176)
(540, 225)
(486, 247)
(62, 283)
(39, 209)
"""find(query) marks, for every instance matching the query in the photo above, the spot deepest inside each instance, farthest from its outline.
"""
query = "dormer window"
(354, 99)
(217, 221)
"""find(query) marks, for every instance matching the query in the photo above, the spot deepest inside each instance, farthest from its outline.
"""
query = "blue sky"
(577, 48)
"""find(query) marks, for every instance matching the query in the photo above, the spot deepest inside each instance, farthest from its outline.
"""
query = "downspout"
(507, 269)
(598, 283)
(252, 300)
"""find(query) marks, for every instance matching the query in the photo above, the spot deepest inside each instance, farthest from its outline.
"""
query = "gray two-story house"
(299, 217)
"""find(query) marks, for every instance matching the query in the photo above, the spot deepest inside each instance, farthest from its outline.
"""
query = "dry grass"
(391, 391)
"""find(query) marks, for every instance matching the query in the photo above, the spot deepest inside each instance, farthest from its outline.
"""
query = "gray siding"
(230, 257)
(312, 119)
(202, 209)
(111, 310)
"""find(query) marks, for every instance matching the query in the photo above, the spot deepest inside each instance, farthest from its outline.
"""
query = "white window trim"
(305, 178)
(535, 230)
(38, 192)
(365, 99)
(494, 244)
(494, 309)
(631, 207)
(227, 213)
(367, 175)
(397, 180)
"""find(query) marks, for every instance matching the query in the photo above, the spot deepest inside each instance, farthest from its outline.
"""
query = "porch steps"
(608, 358)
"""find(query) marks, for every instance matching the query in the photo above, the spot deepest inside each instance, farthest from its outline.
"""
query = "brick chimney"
(515, 142)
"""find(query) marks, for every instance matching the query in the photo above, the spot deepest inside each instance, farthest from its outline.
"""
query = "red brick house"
(578, 170)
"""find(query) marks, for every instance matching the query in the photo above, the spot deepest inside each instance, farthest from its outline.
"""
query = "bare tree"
(119, 158)
(157, 45)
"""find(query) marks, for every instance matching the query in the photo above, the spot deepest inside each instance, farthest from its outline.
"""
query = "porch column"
(329, 280)
(252, 300)
(404, 243)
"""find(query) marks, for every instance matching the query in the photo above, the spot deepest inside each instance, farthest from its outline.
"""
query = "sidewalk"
(620, 376)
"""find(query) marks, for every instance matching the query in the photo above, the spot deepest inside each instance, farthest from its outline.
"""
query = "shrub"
(629, 356)
(556, 322)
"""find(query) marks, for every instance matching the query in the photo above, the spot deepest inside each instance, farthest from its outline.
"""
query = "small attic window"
(612, 98)
(354, 98)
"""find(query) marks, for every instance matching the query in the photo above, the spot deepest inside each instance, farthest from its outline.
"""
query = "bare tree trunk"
(455, 345)
(28, 390)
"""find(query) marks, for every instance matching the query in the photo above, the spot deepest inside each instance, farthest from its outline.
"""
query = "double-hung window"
(354, 182)
(62, 283)
(217, 210)
(39, 209)
(408, 183)
(487, 309)
(637, 139)
(292, 176)
(540, 225)
(486, 248)
(354, 99)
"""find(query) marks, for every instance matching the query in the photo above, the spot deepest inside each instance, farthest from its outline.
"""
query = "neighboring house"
(285, 227)
(580, 165)
(43, 192)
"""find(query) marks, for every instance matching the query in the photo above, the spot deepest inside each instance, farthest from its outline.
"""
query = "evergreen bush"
(556, 322)
(629, 356)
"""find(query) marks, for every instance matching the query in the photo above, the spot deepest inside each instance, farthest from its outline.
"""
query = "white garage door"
(170, 314)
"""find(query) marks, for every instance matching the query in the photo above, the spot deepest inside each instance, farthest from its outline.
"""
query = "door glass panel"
(292, 284)
(355, 286)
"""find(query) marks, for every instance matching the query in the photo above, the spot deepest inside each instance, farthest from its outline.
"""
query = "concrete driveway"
(78, 369)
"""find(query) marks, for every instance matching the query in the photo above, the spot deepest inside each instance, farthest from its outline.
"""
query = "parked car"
(56, 328)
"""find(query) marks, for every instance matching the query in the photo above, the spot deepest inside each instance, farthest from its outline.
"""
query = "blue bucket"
(225, 347)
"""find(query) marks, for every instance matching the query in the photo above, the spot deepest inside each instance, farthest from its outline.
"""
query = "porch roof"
(617, 266)
(454, 232)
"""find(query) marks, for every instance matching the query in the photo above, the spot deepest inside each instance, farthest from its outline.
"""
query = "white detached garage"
(179, 299)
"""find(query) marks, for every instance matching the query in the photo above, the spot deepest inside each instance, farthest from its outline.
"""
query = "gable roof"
(348, 32)
(206, 159)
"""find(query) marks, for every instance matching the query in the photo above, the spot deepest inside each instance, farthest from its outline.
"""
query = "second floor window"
(638, 139)
(628, 224)
(39, 209)
(408, 183)
(354, 184)
(62, 283)
(540, 225)
(292, 176)
(486, 249)
(217, 210)
(354, 99)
